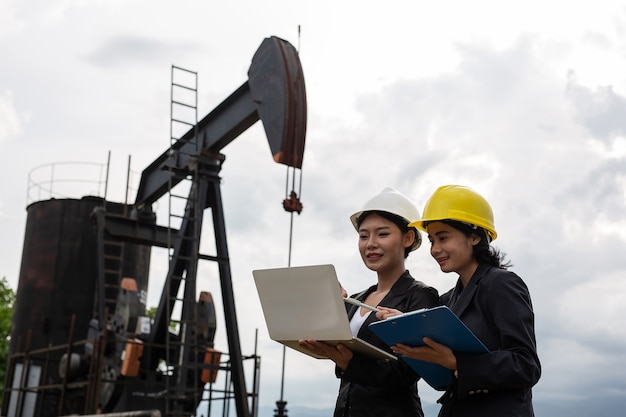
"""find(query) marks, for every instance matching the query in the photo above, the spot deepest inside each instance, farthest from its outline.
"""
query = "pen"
(360, 304)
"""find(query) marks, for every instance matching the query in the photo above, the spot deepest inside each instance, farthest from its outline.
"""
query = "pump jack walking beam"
(274, 93)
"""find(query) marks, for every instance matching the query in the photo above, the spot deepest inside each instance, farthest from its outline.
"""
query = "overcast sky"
(523, 102)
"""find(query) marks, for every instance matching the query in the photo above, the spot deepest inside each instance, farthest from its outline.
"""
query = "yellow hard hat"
(456, 202)
(391, 201)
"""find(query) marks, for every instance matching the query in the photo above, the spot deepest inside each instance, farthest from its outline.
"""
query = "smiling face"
(453, 250)
(382, 244)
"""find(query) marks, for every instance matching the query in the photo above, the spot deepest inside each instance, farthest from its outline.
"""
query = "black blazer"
(376, 387)
(496, 306)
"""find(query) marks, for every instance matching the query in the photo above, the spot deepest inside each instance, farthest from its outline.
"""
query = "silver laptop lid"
(302, 303)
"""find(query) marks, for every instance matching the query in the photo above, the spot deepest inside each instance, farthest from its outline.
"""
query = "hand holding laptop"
(339, 353)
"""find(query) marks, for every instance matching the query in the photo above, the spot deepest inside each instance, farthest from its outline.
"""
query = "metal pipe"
(141, 413)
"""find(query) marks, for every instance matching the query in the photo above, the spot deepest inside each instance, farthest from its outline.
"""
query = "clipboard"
(437, 323)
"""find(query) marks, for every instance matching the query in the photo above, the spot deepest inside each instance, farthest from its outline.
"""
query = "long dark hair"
(483, 251)
(402, 224)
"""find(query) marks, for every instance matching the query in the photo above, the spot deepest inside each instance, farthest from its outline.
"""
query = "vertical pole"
(228, 298)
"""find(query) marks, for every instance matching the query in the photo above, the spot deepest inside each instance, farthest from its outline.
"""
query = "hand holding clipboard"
(439, 324)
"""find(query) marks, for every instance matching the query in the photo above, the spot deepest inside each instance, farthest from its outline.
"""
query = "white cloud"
(596, 308)
(9, 22)
(11, 120)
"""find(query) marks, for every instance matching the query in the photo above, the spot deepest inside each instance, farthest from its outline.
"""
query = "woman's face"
(452, 250)
(382, 243)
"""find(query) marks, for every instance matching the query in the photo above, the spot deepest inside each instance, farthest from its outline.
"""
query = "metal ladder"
(183, 207)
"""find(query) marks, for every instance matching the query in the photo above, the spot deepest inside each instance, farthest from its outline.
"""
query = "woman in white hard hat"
(380, 387)
(493, 302)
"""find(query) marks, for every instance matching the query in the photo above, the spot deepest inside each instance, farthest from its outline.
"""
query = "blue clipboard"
(437, 323)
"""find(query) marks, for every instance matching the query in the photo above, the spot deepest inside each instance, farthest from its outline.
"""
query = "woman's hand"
(433, 352)
(344, 293)
(386, 313)
(339, 354)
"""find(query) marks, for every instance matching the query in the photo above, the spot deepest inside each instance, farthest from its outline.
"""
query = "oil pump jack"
(80, 341)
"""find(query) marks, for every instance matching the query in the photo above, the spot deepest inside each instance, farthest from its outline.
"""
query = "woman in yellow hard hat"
(492, 301)
(380, 387)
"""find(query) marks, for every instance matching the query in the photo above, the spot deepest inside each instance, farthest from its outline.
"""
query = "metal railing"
(74, 179)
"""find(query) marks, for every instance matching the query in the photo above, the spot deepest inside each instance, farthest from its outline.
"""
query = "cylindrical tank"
(59, 272)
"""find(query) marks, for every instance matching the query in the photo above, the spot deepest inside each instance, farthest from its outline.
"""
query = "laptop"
(305, 302)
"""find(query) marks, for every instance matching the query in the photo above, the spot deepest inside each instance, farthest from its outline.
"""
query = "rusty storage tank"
(58, 283)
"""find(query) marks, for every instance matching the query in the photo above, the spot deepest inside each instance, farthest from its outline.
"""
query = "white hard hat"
(391, 201)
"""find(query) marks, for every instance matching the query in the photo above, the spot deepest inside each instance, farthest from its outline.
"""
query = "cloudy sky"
(524, 102)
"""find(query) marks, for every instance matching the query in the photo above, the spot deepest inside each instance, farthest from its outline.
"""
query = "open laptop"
(305, 302)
